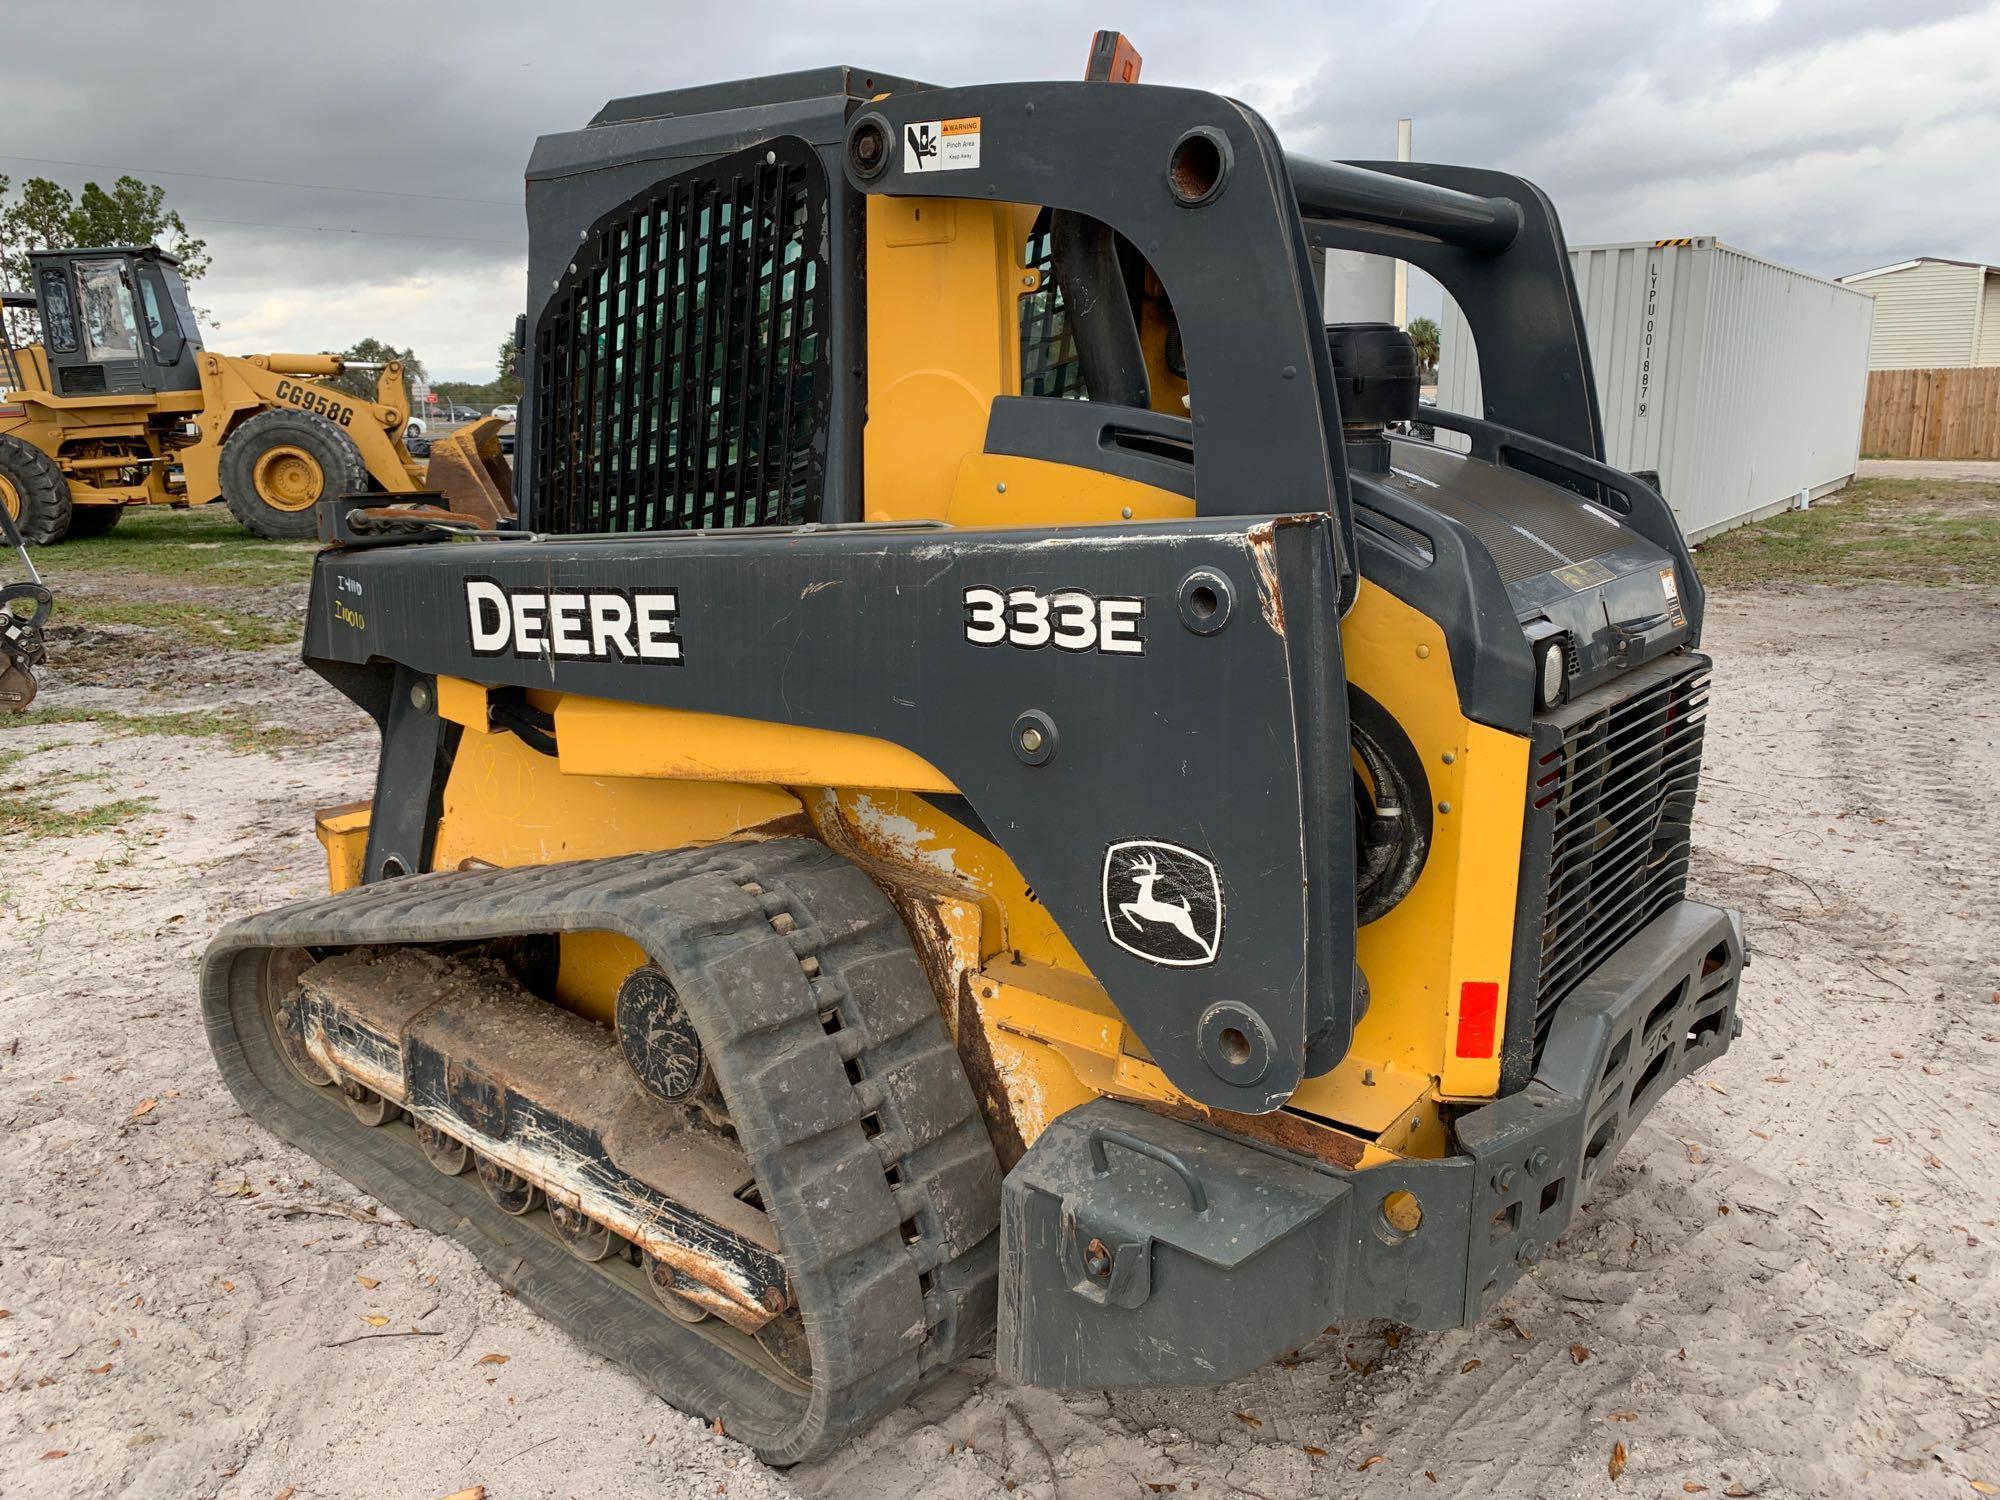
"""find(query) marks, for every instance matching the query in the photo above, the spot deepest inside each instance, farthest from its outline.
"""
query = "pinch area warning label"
(941, 145)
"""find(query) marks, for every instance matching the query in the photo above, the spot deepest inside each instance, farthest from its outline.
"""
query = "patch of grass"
(197, 624)
(38, 817)
(1923, 531)
(203, 544)
(233, 727)
(27, 807)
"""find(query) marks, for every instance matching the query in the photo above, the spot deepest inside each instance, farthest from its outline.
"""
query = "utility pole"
(1402, 266)
(1358, 288)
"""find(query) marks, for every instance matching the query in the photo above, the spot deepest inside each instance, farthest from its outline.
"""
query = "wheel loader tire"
(94, 520)
(278, 465)
(34, 493)
(842, 1090)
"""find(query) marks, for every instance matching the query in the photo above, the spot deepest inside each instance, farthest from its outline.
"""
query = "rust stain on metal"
(989, 1084)
(1262, 539)
(1283, 1128)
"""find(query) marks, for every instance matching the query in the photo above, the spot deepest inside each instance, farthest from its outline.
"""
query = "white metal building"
(1932, 314)
(1739, 381)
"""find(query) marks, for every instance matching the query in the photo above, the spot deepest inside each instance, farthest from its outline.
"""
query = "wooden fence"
(1940, 413)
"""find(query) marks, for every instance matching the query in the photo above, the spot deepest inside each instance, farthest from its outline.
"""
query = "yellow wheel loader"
(119, 404)
(992, 794)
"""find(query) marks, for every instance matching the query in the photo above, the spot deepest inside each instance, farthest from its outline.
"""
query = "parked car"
(507, 413)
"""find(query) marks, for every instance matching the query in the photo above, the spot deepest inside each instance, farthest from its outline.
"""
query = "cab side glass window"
(162, 320)
(149, 298)
(177, 299)
(110, 323)
(58, 312)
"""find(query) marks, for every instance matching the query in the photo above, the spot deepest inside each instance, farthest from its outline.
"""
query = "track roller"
(586, 1240)
(511, 1193)
(449, 1156)
(672, 1288)
(369, 1107)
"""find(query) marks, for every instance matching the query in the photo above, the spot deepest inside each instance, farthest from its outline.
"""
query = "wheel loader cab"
(997, 785)
(115, 321)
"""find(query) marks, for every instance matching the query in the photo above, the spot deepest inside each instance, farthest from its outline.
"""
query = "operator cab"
(115, 321)
(10, 369)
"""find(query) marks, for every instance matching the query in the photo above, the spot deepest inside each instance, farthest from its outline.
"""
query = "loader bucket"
(468, 469)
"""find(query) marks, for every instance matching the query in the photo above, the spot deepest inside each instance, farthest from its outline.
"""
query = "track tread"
(896, 1281)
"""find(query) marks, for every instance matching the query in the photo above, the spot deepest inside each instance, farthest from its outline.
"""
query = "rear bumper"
(1137, 1250)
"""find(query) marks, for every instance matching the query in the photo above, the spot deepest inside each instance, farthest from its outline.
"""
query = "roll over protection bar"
(1493, 241)
(1335, 191)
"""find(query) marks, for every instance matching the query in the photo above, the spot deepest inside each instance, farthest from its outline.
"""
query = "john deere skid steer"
(992, 791)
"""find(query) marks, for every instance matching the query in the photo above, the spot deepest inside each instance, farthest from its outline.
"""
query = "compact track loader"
(991, 791)
(120, 405)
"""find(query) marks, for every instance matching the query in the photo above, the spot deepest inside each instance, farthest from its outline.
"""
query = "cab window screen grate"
(681, 376)
(1049, 363)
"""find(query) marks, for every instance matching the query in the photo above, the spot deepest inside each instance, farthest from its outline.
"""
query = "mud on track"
(1788, 1285)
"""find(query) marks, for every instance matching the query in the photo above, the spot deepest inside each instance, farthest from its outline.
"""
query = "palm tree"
(1424, 334)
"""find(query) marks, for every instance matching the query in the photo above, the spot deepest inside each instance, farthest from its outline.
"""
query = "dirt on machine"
(120, 405)
(997, 794)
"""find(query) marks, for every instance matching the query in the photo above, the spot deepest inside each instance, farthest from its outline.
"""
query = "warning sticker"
(941, 145)
(1672, 589)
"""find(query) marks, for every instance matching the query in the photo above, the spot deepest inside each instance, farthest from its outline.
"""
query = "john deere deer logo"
(1163, 903)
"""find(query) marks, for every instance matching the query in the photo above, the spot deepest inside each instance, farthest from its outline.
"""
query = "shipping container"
(1739, 381)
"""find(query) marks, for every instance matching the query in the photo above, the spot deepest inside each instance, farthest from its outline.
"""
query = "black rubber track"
(45, 501)
(841, 1083)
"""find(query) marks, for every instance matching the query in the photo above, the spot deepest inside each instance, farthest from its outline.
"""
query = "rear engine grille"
(680, 370)
(1612, 793)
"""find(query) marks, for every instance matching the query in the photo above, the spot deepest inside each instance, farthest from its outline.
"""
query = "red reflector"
(1478, 1009)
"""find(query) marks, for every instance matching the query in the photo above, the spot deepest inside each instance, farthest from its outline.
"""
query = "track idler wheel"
(369, 1107)
(511, 1193)
(281, 996)
(666, 1280)
(581, 1235)
(449, 1156)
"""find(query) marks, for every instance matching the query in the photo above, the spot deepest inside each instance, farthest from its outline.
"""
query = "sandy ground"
(1786, 1288)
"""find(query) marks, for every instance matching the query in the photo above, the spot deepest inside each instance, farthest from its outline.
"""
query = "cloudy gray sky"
(1832, 136)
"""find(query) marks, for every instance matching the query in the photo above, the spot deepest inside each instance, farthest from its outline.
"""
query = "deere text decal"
(622, 625)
